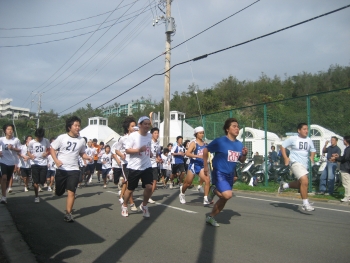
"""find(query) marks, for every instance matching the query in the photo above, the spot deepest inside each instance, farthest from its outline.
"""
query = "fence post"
(308, 124)
(265, 129)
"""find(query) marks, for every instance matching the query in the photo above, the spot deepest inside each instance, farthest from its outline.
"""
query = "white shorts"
(298, 170)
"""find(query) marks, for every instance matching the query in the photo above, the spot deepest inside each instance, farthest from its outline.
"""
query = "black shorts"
(117, 173)
(66, 180)
(90, 167)
(178, 168)
(7, 169)
(39, 173)
(25, 172)
(155, 173)
(98, 167)
(134, 176)
(50, 173)
(105, 172)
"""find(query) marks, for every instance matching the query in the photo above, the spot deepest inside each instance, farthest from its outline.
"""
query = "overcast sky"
(311, 47)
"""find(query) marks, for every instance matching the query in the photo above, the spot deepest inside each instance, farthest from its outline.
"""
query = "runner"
(155, 159)
(195, 153)
(82, 167)
(90, 168)
(228, 150)
(164, 168)
(138, 146)
(24, 162)
(97, 148)
(10, 147)
(129, 127)
(178, 167)
(106, 159)
(99, 162)
(51, 170)
(69, 147)
(298, 160)
(38, 150)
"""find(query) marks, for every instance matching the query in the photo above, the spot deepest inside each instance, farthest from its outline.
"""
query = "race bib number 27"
(232, 156)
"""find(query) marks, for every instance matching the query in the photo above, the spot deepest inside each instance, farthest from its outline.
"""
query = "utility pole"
(39, 109)
(166, 128)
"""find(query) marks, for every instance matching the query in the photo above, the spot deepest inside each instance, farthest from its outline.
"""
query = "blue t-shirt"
(198, 151)
(227, 153)
(178, 158)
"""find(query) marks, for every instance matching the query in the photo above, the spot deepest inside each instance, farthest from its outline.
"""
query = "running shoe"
(200, 189)
(25, 189)
(345, 199)
(119, 192)
(144, 210)
(49, 189)
(121, 201)
(308, 207)
(40, 190)
(211, 193)
(171, 186)
(133, 208)
(151, 201)
(105, 186)
(36, 200)
(281, 189)
(45, 184)
(182, 196)
(9, 190)
(211, 221)
(69, 218)
(206, 202)
(3, 200)
(125, 212)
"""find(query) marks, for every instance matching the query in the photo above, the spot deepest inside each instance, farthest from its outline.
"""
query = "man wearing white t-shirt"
(69, 147)
(155, 159)
(138, 146)
(38, 150)
(301, 145)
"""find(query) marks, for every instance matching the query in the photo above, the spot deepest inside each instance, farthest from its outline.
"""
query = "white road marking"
(156, 203)
(266, 200)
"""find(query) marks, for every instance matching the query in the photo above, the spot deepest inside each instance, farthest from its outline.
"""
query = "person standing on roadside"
(328, 174)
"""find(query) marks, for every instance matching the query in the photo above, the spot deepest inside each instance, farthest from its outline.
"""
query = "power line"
(60, 24)
(67, 31)
(224, 49)
(87, 60)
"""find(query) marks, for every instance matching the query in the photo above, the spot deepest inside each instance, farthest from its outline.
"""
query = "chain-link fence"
(268, 124)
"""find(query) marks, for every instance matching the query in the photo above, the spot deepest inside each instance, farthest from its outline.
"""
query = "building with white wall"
(7, 110)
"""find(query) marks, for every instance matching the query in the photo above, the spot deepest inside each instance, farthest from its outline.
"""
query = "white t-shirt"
(51, 163)
(91, 151)
(102, 151)
(141, 160)
(38, 149)
(70, 149)
(165, 162)
(106, 157)
(121, 147)
(9, 157)
(22, 163)
(155, 147)
(300, 148)
(113, 151)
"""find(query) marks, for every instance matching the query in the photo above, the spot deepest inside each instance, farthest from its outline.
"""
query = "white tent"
(176, 127)
(255, 140)
(98, 128)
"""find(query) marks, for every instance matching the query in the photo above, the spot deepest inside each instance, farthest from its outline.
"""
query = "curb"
(14, 247)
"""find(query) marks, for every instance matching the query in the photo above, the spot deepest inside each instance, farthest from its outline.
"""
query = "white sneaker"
(40, 190)
(200, 189)
(121, 201)
(9, 190)
(45, 185)
(206, 202)
(145, 211)
(125, 212)
(307, 207)
(151, 201)
(25, 189)
(345, 199)
(105, 186)
(49, 189)
(171, 186)
(36, 200)
(119, 192)
(182, 196)
(133, 208)
(3, 200)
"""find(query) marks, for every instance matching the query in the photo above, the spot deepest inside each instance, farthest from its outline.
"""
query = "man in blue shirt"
(332, 165)
(228, 150)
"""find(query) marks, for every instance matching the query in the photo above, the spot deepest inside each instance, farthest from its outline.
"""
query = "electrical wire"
(60, 24)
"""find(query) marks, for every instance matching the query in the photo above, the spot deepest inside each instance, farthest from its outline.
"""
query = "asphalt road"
(253, 228)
